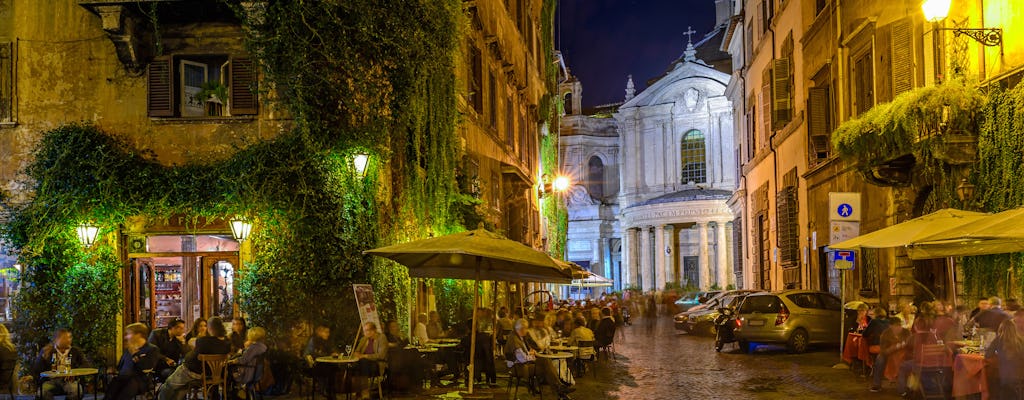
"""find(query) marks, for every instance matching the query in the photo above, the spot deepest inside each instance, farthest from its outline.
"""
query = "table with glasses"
(339, 363)
(72, 373)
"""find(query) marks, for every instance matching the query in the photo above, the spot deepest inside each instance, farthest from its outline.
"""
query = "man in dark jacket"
(140, 357)
(605, 332)
(992, 317)
(60, 352)
(171, 342)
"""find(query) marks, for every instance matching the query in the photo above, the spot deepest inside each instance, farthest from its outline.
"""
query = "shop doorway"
(176, 279)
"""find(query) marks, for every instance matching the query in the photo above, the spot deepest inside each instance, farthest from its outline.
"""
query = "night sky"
(605, 40)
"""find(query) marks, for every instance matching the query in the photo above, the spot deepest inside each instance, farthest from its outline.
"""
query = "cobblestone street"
(670, 365)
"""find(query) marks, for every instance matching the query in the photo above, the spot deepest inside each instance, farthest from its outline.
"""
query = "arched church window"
(567, 104)
(693, 158)
(595, 178)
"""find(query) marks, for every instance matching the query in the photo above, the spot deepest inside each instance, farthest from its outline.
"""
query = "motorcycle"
(725, 323)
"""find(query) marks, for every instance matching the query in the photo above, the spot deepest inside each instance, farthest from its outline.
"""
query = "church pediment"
(688, 83)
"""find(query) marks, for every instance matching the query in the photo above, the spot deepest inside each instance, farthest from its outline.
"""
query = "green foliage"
(454, 300)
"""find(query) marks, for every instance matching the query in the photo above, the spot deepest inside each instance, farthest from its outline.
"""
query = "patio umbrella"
(912, 231)
(593, 280)
(475, 255)
(994, 234)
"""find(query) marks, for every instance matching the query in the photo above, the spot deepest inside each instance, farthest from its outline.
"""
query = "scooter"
(725, 323)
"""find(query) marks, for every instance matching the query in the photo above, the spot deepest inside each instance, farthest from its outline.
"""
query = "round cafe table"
(337, 362)
(73, 373)
(572, 349)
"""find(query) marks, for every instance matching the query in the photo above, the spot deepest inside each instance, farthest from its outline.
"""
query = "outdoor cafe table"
(74, 373)
(969, 375)
(856, 348)
(572, 349)
(337, 362)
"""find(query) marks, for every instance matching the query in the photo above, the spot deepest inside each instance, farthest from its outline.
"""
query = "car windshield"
(760, 304)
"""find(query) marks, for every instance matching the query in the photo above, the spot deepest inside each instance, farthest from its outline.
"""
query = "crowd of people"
(929, 335)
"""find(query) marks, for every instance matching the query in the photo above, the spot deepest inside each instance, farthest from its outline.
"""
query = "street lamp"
(87, 233)
(937, 10)
(360, 160)
(965, 191)
(560, 184)
(240, 228)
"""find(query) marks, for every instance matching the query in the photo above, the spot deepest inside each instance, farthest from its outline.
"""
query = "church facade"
(670, 150)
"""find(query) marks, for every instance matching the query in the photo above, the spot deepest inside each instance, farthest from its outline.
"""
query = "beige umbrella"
(912, 231)
(994, 234)
(475, 255)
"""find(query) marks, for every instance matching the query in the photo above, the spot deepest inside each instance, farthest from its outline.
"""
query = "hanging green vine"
(556, 216)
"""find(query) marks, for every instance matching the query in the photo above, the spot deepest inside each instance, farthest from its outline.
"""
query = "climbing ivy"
(556, 216)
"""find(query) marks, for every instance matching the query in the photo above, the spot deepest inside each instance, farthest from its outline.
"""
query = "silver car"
(796, 318)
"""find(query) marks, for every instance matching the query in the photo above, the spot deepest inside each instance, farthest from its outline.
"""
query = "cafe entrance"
(180, 276)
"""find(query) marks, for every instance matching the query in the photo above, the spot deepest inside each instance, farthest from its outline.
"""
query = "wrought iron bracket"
(985, 36)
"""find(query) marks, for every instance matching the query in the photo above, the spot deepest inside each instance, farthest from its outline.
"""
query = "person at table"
(138, 359)
(394, 335)
(171, 342)
(419, 333)
(993, 317)
(8, 353)
(892, 341)
(243, 368)
(862, 320)
(519, 355)
(878, 323)
(372, 352)
(605, 333)
(594, 318)
(1008, 351)
(435, 328)
(319, 345)
(238, 334)
(581, 333)
(982, 306)
(189, 373)
(538, 335)
(907, 314)
(198, 330)
(59, 352)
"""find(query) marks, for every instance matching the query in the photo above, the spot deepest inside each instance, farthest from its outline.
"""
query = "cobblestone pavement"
(665, 364)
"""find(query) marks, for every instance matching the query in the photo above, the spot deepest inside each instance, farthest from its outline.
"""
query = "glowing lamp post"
(87, 234)
(560, 184)
(359, 162)
(936, 10)
(240, 228)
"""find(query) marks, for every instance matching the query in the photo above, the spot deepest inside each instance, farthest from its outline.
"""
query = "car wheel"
(745, 346)
(797, 341)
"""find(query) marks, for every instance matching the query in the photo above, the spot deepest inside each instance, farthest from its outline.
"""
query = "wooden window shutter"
(244, 99)
(902, 56)
(781, 108)
(766, 113)
(160, 100)
(818, 121)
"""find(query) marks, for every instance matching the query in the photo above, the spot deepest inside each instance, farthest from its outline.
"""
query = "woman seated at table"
(139, 358)
(1008, 350)
(189, 373)
(198, 329)
(394, 335)
(520, 355)
(862, 320)
(419, 333)
(405, 366)
(243, 368)
(539, 335)
(435, 328)
(892, 344)
(582, 334)
(372, 352)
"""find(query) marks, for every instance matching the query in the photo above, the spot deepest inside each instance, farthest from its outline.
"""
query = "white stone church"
(652, 176)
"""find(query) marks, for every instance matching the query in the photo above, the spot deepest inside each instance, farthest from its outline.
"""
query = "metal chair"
(214, 373)
(530, 370)
(582, 362)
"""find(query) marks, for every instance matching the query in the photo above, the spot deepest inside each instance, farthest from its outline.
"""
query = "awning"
(994, 234)
(912, 231)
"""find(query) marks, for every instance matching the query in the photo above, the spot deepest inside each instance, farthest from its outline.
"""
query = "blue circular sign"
(844, 210)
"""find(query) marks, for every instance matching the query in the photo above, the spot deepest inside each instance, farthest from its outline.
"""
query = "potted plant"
(215, 95)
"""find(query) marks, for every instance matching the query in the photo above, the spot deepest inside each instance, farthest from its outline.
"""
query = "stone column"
(670, 255)
(730, 253)
(721, 247)
(705, 265)
(659, 257)
(628, 257)
(597, 256)
(645, 259)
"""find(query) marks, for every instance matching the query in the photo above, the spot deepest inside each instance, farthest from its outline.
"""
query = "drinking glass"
(348, 350)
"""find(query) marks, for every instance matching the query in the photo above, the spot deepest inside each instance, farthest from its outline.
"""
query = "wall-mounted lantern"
(87, 233)
(360, 161)
(240, 228)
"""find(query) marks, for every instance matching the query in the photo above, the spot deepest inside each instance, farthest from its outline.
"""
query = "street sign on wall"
(844, 206)
(843, 259)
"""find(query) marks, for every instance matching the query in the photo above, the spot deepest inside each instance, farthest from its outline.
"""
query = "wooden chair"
(933, 367)
(592, 359)
(214, 373)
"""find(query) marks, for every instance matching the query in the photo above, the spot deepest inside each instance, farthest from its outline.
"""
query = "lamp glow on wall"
(87, 233)
(240, 228)
(360, 161)
(937, 10)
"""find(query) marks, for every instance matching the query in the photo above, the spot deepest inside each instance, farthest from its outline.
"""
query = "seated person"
(243, 367)
(238, 334)
(893, 340)
(435, 329)
(605, 332)
(876, 327)
(372, 352)
(60, 352)
(394, 335)
(519, 356)
(319, 345)
(538, 336)
(581, 333)
(189, 373)
(171, 342)
(419, 333)
(140, 357)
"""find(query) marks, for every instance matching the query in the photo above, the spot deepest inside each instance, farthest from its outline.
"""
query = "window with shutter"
(6, 82)
(766, 114)
(902, 56)
(492, 103)
(819, 122)
(244, 99)
(788, 239)
(476, 85)
(781, 93)
(510, 125)
(864, 84)
(160, 102)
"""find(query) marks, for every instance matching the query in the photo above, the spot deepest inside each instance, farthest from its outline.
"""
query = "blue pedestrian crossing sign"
(843, 259)
(844, 210)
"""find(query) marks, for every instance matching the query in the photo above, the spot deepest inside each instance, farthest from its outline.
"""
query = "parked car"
(796, 318)
(694, 299)
(701, 321)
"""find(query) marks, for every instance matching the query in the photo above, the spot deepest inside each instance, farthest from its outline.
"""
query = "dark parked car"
(702, 320)
(797, 318)
(694, 299)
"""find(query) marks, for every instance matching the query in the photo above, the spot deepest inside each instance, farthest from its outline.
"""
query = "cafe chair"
(214, 374)
(520, 371)
(591, 359)
(933, 367)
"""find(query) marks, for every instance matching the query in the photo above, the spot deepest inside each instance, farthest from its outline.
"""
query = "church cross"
(689, 34)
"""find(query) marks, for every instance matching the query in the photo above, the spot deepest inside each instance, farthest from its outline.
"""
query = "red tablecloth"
(853, 349)
(892, 364)
(969, 375)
